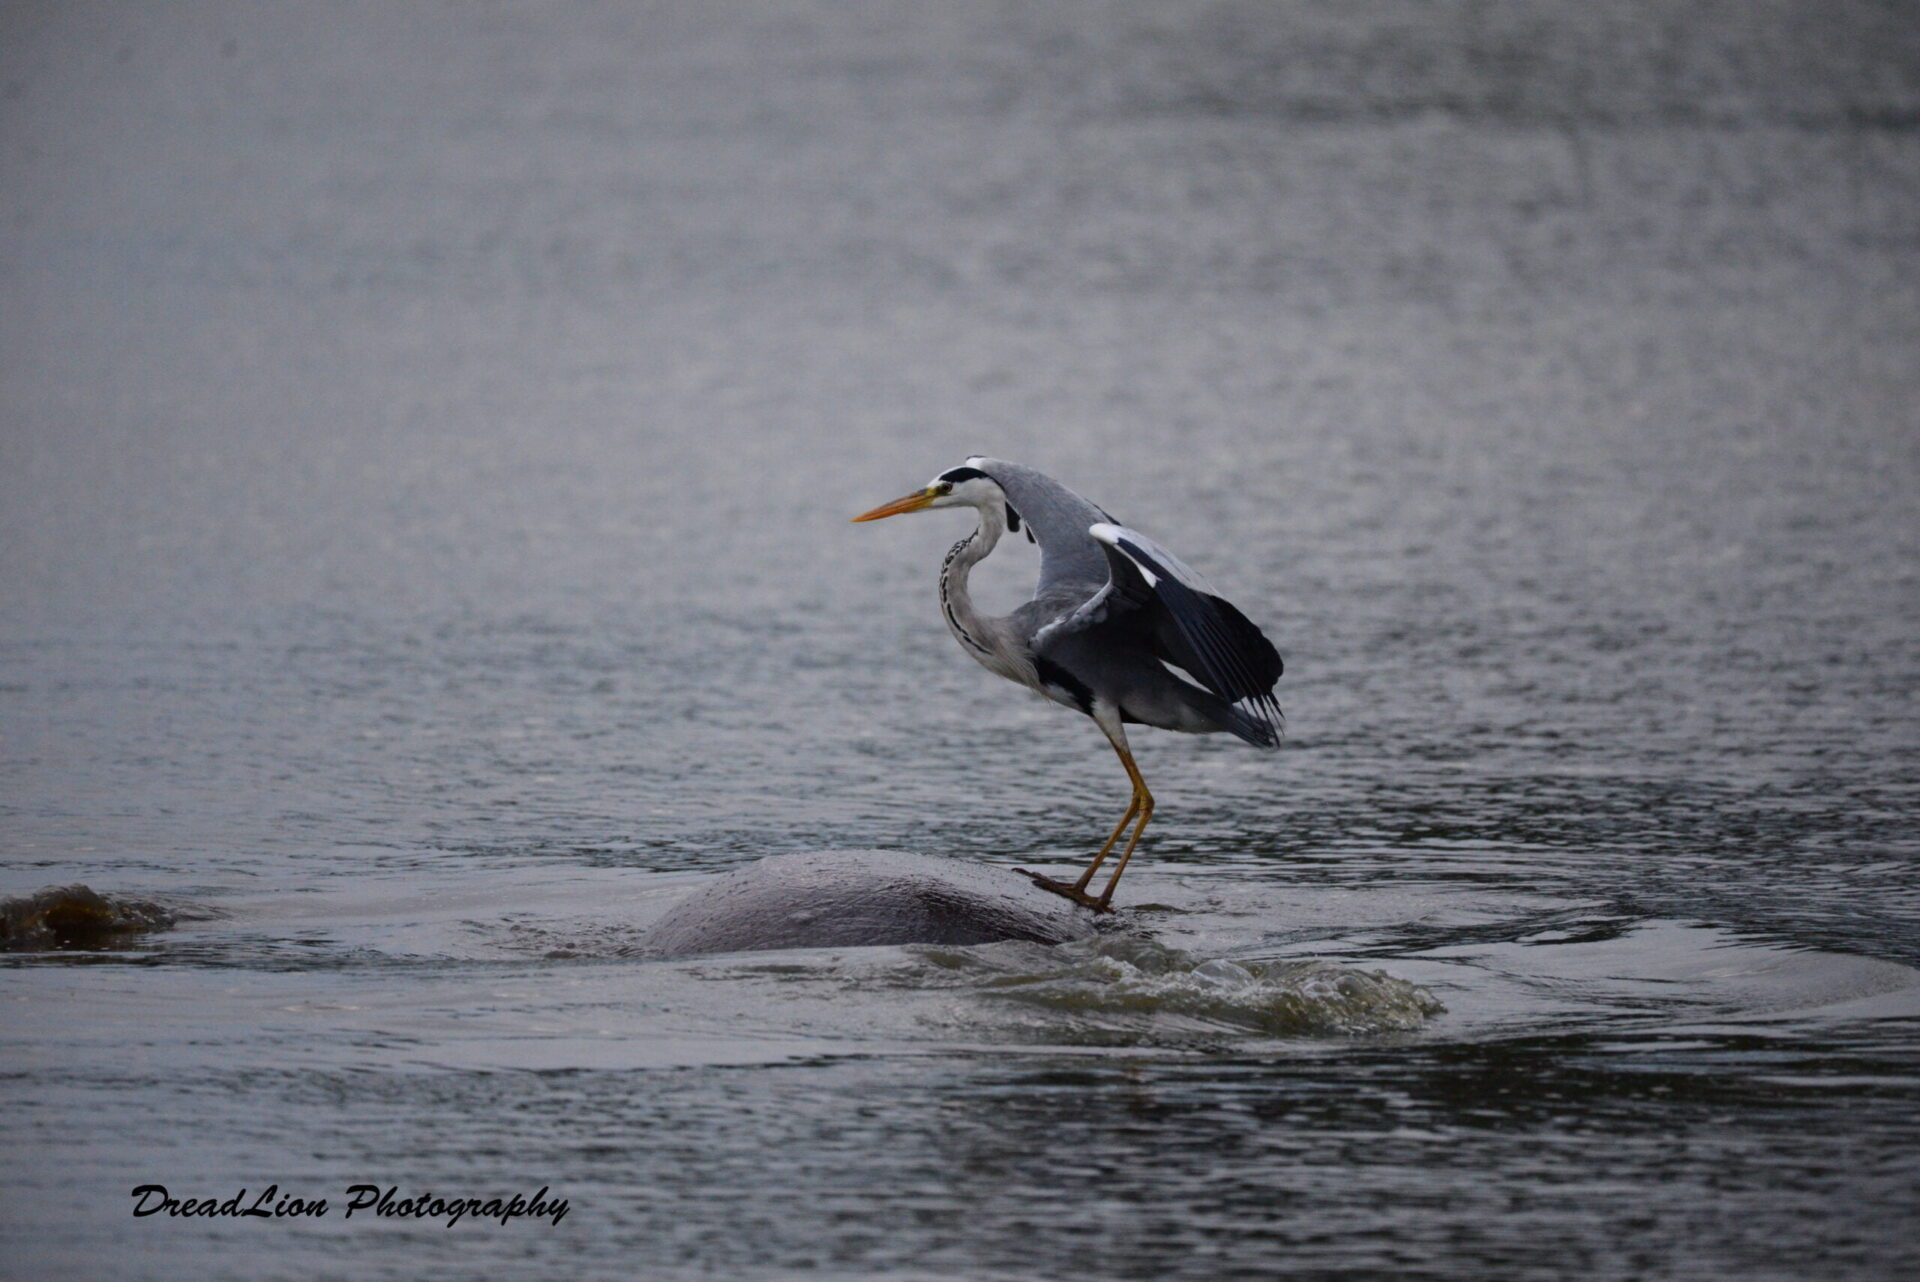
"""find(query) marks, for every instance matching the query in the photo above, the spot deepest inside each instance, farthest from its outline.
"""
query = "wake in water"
(1124, 985)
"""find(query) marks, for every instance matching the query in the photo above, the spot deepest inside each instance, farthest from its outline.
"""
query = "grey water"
(427, 438)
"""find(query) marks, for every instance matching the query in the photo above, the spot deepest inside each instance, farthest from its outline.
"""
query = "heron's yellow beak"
(911, 503)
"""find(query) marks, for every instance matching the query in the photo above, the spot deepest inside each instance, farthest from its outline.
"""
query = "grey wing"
(1057, 519)
(1184, 622)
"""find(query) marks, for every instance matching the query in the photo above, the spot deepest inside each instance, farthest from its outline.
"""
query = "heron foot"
(1067, 890)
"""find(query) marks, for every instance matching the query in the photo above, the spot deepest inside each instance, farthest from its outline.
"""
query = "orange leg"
(1140, 804)
(1133, 808)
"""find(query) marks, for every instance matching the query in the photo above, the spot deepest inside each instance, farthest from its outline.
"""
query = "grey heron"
(1112, 615)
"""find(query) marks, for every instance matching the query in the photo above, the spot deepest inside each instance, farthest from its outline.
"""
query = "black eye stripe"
(960, 474)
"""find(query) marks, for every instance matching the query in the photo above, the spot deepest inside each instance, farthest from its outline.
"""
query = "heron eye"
(945, 487)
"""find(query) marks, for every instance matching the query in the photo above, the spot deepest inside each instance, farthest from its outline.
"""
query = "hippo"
(849, 898)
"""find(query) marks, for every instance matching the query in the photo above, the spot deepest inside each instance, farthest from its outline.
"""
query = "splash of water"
(1121, 980)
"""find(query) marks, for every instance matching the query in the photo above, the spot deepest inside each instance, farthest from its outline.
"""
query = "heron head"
(963, 486)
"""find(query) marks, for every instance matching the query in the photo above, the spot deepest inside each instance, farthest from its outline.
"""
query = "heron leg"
(1141, 804)
(1133, 808)
(1145, 802)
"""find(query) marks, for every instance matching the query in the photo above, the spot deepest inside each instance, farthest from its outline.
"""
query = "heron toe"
(1067, 890)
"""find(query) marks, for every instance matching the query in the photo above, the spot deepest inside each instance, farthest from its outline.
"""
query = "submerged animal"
(859, 898)
(1112, 615)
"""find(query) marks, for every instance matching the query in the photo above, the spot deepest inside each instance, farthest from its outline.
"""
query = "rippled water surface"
(426, 443)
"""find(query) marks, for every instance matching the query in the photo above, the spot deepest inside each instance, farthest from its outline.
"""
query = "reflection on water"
(423, 561)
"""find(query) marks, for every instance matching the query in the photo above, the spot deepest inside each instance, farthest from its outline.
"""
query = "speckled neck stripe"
(946, 602)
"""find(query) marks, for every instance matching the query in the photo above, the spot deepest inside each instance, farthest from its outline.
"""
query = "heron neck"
(971, 628)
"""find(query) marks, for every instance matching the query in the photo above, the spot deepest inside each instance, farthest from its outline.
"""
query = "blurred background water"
(427, 434)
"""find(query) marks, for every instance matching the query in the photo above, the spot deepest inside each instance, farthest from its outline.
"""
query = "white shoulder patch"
(1153, 561)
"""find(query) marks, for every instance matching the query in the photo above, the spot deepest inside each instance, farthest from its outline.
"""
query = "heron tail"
(1258, 730)
(1259, 725)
